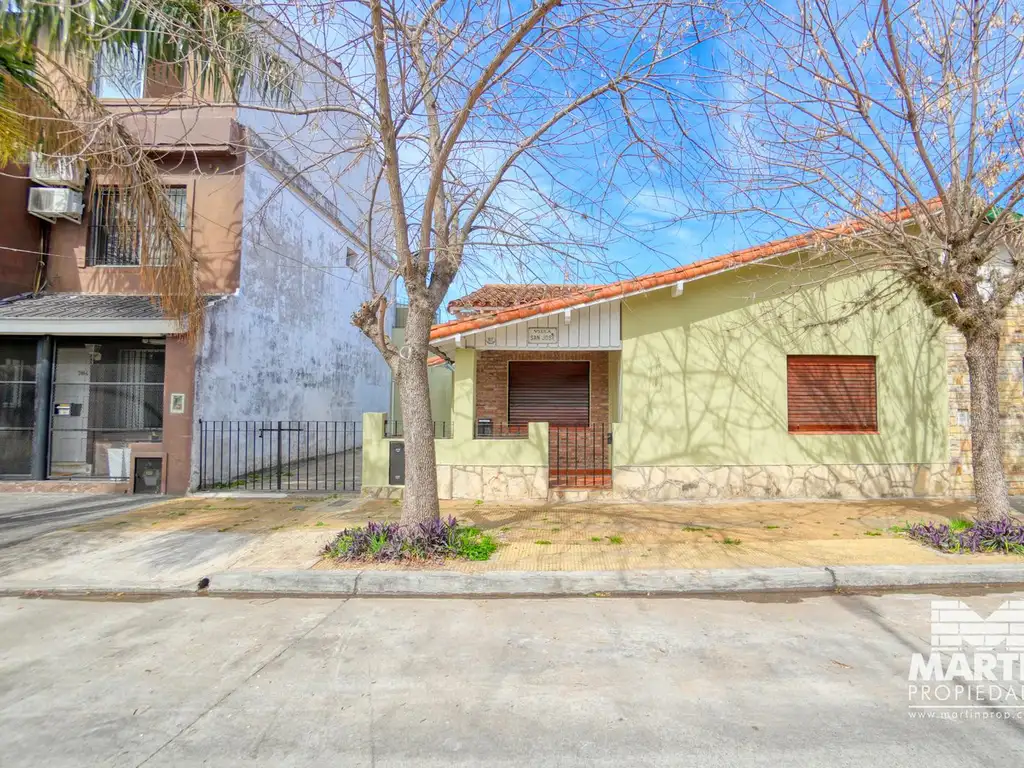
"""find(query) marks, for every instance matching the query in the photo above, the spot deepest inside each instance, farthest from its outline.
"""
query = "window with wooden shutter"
(832, 393)
(555, 392)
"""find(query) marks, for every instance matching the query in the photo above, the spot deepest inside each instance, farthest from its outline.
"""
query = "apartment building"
(98, 387)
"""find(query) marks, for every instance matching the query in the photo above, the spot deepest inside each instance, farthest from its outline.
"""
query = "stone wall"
(1011, 407)
(812, 481)
(492, 381)
(503, 483)
(488, 483)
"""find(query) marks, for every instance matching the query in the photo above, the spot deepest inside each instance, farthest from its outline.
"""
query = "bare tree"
(901, 125)
(502, 134)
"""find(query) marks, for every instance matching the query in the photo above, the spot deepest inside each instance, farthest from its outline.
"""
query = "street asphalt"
(765, 681)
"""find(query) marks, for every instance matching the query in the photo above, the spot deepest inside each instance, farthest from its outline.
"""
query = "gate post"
(202, 455)
(279, 455)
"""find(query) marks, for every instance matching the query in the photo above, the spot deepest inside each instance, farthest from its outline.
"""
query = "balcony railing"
(396, 428)
(486, 429)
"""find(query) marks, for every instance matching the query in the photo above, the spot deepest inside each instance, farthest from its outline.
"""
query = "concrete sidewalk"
(24, 516)
(273, 546)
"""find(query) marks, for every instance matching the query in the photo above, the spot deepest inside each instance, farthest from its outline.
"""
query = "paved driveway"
(26, 515)
(118, 542)
(430, 683)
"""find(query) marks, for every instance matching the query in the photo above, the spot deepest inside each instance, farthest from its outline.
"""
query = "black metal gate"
(280, 455)
(580, 457)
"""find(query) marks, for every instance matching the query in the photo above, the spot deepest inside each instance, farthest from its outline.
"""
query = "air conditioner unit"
(52, 203)
(57, 170)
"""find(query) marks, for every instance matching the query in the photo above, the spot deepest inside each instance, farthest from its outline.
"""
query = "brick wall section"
(492, 381)
(1011, 406)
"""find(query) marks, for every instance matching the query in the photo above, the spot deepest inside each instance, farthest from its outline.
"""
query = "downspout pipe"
(41, 279)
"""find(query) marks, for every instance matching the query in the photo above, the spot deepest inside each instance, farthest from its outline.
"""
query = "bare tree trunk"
(420, 503)
(990, 487)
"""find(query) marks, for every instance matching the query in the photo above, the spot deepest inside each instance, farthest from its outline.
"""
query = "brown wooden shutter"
(832, 393)
(555, 392)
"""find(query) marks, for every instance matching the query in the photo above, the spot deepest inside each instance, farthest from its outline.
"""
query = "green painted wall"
(464, 449)
(704, 374)
(614, 360)
(461, 448)
(375, 451)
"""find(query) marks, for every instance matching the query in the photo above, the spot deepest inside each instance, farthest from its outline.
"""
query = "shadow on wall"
(705, 374)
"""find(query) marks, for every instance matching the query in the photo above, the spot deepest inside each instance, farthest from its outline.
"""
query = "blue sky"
(662, 208)
(652, 204)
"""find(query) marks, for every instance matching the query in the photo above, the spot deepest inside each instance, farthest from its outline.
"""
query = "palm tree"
(47, 51)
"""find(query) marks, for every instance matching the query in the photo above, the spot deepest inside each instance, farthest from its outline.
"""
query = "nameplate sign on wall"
(542, 336)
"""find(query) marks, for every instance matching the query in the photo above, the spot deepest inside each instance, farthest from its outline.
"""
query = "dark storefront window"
(105, 396)
(17, 405)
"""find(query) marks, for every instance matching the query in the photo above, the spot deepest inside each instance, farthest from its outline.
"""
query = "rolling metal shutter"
(555, 392)
(832, 393)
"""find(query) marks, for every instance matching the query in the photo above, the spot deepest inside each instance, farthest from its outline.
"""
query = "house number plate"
(542, 336)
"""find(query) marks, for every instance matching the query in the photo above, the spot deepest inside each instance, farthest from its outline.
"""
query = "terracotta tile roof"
(505, 295)
(590, 294)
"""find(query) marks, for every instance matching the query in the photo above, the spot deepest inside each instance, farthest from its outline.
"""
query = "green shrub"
(435, 540)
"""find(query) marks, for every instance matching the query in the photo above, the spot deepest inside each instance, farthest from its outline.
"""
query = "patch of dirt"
(618, 536)
(249, 515)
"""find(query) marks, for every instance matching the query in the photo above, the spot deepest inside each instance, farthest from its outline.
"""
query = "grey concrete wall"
(284, 347)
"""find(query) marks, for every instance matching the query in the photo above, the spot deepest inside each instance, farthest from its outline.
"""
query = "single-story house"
(737, 376)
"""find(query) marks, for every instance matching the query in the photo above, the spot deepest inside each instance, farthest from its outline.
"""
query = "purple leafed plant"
(434, 540)
(1002, 535)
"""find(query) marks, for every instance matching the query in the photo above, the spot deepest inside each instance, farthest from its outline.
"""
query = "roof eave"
(42, 326)
(605, 299)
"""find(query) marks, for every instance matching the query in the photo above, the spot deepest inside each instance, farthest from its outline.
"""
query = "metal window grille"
(115, 237)
(132, 364)
(13, 383)
(106, 396)
(17, 406)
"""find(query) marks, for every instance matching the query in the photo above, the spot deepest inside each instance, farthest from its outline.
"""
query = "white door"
(71, 386)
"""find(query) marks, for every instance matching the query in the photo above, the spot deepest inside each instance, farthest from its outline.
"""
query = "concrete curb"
(373, 583)
(95, 589)
(370, 583)
(901, 576)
